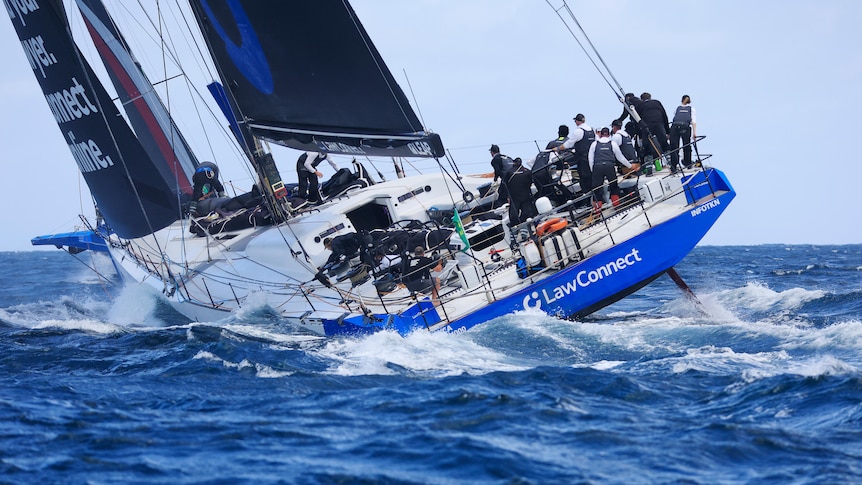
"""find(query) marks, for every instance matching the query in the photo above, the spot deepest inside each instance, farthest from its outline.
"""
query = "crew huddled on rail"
(596, 157)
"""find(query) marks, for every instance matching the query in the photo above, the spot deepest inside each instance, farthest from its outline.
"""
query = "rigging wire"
(168, 46)
(122, 159)
(381, 68)
(154, 248)
(177, 168)
(604, 71)
(456, 180)
(294, 253)
(589, 55)
(415, 101)
(379, 173)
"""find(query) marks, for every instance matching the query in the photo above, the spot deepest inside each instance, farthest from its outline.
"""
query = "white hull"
(206, 278)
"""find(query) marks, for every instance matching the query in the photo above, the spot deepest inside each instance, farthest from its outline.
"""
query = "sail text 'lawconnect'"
(583, 279)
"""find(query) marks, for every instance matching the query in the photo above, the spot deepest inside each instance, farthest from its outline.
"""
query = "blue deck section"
(76, 241)
(421, 315)
(704, 184)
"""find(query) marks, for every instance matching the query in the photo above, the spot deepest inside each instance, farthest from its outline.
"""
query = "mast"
(269, 178)
(399, 167)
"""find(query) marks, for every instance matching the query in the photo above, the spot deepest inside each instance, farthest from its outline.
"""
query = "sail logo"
(88, 155)
(338, 147)
(532, 296)
(582, 279)
(39, 58)
(70, 104)
(21, 7)
(420, 148)
(705, 207)
(248, 56)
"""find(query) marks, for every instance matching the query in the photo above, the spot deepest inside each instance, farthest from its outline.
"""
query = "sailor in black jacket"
(521, 204)
(501, 164)
(208, 194)
(348, 245)
(653, 114)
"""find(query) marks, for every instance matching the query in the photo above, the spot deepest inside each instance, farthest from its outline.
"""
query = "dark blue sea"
(102, 384)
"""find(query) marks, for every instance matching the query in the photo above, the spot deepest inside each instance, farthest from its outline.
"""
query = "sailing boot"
(597, 207)
(615, 200)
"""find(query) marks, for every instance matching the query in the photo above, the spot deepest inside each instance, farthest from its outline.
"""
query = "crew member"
(653, 114)
(208, 193)
(502, 165)
(684, 128)
(622, 138)
(308, 174)
(416, 272)
(580, 140)
(603, 153)
(347, 246)
(521, 203)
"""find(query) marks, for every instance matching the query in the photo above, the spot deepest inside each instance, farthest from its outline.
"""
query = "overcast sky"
(775, 85)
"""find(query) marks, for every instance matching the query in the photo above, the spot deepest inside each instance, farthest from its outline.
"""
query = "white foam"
(811, 366)
(714, 359)
(266, 333)
(96, 268)
(89, 326)
(843, 335)
(134, 307)
(758, 296)
(65, 313)
(824, 365)
(254, 306)
(260, 370)
(438, 354)
(544, 326)
(606, 364)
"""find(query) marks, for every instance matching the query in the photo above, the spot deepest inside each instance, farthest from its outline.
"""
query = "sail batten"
(307, 75)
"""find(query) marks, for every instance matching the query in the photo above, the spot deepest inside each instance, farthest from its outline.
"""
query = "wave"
(142, 306)
(65, 313)
(752, 329)
(758, 296)
(134, 307)
(421, 354)
(260, 370)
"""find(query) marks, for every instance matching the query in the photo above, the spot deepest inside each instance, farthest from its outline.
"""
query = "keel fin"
(672, 273)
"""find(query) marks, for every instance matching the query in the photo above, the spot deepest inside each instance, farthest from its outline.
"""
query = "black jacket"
(653, 113)
(634, 102)
(501, 164)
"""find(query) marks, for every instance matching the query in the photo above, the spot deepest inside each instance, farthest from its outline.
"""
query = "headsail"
(152, 124)
(306, 75)
(129, 191)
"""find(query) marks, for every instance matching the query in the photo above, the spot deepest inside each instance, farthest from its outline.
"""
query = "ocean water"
(102, 384)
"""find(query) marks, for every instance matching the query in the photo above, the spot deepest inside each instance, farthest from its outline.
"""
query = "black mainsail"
(126, 183)
(306, 75)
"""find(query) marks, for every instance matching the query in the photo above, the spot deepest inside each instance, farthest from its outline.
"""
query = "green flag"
(459, 228)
